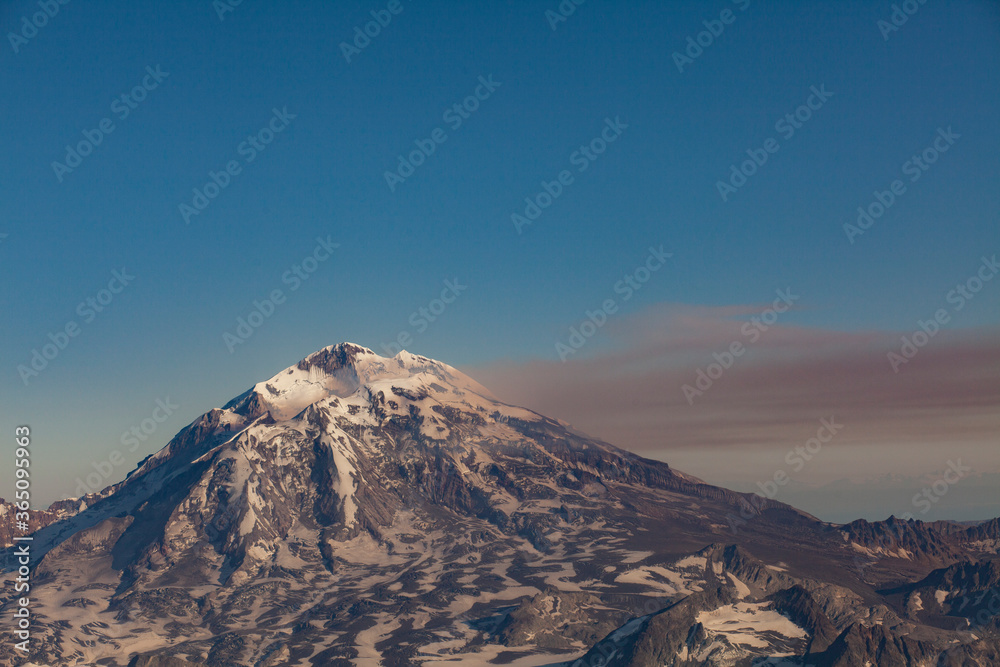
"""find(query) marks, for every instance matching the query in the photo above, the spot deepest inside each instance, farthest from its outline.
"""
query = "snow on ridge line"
(312, 380)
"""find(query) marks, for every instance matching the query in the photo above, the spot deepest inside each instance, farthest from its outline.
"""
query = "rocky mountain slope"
(361, 510)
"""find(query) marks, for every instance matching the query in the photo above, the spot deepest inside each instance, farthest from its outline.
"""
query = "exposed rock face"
(355, 508)
(876, 644)
(802, 608)
(162, 661)
(962, 596)
(38, 519)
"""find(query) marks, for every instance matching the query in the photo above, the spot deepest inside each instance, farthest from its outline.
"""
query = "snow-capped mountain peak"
(347, 370)
(355, 509)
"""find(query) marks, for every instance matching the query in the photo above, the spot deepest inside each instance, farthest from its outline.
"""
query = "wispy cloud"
(630, 391)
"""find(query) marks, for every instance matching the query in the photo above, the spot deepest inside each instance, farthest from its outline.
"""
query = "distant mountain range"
(362, 510)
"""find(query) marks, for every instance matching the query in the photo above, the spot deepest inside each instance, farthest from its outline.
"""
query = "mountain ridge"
(354, 506)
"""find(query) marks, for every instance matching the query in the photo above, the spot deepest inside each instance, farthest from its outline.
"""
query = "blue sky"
(323, 176)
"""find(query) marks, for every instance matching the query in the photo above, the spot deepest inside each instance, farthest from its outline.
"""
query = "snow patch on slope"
(743, 622)
(345, 483)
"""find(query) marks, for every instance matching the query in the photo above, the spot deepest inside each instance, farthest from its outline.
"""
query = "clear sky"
(209, 87)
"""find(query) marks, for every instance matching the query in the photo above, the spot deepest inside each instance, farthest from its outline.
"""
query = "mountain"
(361, 510)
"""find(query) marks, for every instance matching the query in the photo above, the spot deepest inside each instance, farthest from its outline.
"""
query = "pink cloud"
(628, 391)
